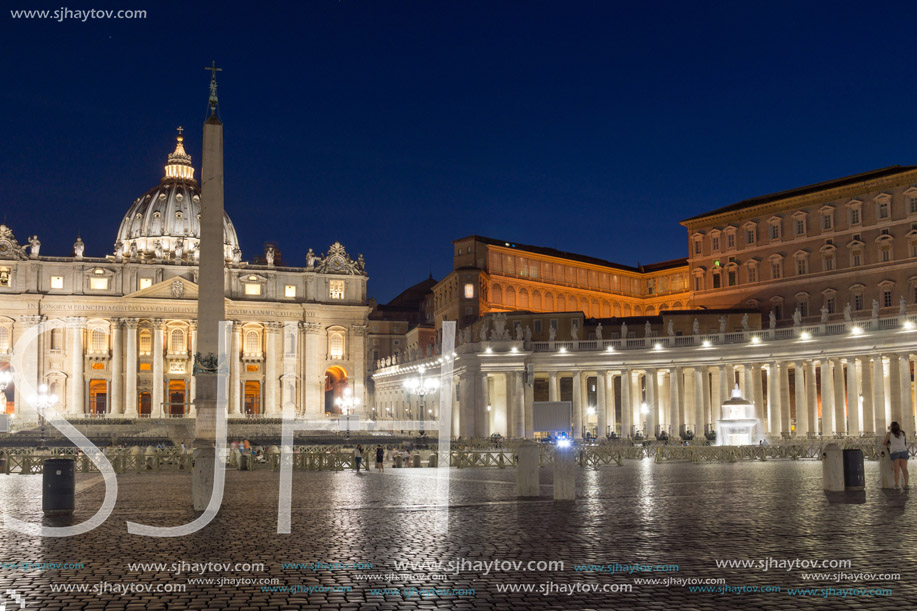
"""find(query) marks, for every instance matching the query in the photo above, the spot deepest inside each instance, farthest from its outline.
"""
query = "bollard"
(433, 460)
(398, 461)
(527, 469)
(416, 460)
(886, 470)
(832, 468)
(58, 486)
(564, 474)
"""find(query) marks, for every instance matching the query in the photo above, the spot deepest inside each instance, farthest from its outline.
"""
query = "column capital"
(116, 323)
(75, 322)
(131, 323)
(156, 323)
(311, 327)
(272, 326)
(359, 330)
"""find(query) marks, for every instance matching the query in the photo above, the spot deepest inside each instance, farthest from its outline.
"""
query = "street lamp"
(42, 401)
(347, 402)
(421, 386)
(645, 410)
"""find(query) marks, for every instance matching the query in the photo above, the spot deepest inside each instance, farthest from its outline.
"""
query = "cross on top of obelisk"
(213, 85)
(180, 130)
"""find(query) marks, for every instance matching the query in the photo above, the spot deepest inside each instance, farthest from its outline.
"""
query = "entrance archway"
(177, 394)
(98, 397)
(335, 383)
(252, 394)
(7, 400)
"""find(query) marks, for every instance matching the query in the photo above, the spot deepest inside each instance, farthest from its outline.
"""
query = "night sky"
(396, 127)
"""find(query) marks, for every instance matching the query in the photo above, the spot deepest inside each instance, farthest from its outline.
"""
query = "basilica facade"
(117, 334)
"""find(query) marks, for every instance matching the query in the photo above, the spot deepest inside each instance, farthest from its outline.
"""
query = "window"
(469, 290)
(98, 341)
(716, 279)
(252, 288)
(252, 343)
(57, 339)
(336, 289)
(855, 216)
(800, 226)
(57, 282)
(289, 290)
(914, 248)
(146, 342)
(802, 266)
(697, 247)
(146, 283)
(827, 221)
(778, 311)
(336, 346)
(177, 341)
(731, 277)
(858, 301)
(885, 253)
(751, 236)
(886, 298)
(698, 283)
(882, 211)
(912, 205)
(730, 240)
(775, 231)
(829, 261)
(803, 305)
(98, 284)
(752, 273)
(5, 339)
(537, 325)
(830, 304)
(776, 270)
(856, 257)
(715, 242)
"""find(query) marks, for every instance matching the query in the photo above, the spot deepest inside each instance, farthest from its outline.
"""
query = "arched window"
(4, 339)
(98, 341)
(336, 346)
(146, 342)
(177, 341)
(252, 343)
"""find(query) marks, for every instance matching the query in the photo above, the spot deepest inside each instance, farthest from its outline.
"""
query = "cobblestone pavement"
(690, 515)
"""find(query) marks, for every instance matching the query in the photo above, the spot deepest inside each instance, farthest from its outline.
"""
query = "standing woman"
(358, 456)
(896, 441)
(380, 457)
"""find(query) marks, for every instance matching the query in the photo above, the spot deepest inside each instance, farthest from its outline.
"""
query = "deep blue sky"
(396, 127)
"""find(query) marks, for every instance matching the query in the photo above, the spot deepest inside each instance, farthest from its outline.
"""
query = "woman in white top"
(896, 441)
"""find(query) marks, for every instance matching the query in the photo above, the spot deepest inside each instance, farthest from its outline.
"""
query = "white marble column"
(784, 398)
(652, 401)
(869, 418)
(315, 375)
(828, 427)
(466, 406)
(481, 422)
(840, 404)
(894, 389)
(158, 378)
(627, 409)
(907, 421)
(708, 411)
(271, 374)
(235, 377)
(727, 375)
(878, 395)
(577, 405)
(802, 411)
(528, 407)
(131, 400)
(611, 401)
(192, 393)
(553, 389)
(773, 400)
(853, 399)
(77, 407)
(757, 385)
(812, 397)
(601, 407)
(717, 380)
(290, 343)
(698, 427)
(117, 368)
(675, 411)
(518, 429)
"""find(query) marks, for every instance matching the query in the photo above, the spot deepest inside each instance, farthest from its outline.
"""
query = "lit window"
(98, 341)
(146, 342)
(252, 289)
(252, 343)
(177, 341)
(336, 346)
(4, 339)
(98, 284)
(146, 283)
(289, 290)
(57, 282)
(469, 290)
(336, 289)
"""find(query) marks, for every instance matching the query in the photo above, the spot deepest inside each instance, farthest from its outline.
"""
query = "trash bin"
(854, 471)
(245, 463)
(58, 486)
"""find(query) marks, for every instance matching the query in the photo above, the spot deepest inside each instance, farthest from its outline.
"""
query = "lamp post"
(347, 402)
(42, 401)
(421, 386)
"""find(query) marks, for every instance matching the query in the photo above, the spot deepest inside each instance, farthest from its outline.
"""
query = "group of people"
(358, 458)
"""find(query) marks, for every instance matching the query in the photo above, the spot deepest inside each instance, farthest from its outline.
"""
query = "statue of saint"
(34, 246)
(695, 327)
(552, 333)
(670, 328)
(902, 306)
(528, 333)
(797, 317)
(824, 314)
(623, 330)
(847, 316)
(157, 249)
(574, 331)
(78, 247)
(875, 308)
(311, 258)
(598, 331)
(269, 255)
(483, 332)
(772, 319)
(745, 326)
(722, 324)
(647, 329)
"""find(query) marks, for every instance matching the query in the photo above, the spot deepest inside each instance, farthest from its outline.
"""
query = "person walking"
(358, 456)
(896, 441)
(380, 458)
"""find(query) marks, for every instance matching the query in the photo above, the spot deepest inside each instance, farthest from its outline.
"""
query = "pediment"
(173, 288)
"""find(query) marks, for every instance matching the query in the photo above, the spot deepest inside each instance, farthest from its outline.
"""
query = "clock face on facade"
(337, 263)
(5, 247)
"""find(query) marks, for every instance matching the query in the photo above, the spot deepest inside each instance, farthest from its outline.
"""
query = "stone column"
(481, 422)
(907, 421)
(130, 370)
(773, 400)
(869, 419)
(158, 379)
(528, 407)
(31, 362)
(290, 343)
(192, 393)
(235, 377)
(853, 399)
(708, 412)
(627, 409)
(677, 399)
(518, 405)
(601, 407)
(758, 393)
(466, 406)
(802, 410)
(878, 395)
(784, 398)
(357, 352)
(77, 401)
(811, 397)
(727, 375)
(117, 368)
(553, 389)
(748, 384)
(828, 427)
(315, 375)
(611, 401)
(652, 400)
(840, 416)
(718, 378)
(577, 405)
(699, 375)
(894, 389)
(271, 358)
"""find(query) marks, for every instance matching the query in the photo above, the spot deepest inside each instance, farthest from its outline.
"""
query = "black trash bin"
(854, 470)
(58, 486)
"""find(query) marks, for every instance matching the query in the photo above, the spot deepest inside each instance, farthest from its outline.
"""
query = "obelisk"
(210, 309)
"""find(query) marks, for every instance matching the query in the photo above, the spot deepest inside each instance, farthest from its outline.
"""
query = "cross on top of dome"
(179, 166)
